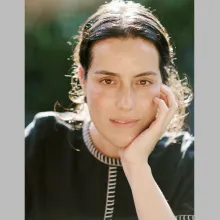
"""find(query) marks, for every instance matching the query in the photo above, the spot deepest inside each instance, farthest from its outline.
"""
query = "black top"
(67, 178)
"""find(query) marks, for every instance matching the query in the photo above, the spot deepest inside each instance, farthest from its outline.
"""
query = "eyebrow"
(105, 72)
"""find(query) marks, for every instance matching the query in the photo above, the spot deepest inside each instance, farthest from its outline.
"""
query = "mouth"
(124, 122)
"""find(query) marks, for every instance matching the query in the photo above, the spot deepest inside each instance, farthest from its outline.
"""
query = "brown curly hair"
(123, 19)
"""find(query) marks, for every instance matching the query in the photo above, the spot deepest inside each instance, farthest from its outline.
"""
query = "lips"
(124, 121)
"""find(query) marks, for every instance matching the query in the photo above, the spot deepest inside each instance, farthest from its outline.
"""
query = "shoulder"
(183, 146)
(45, 123)
(172, 160)
(173, 167)
(48, 130)
(177, 154)
(180, 147)
(180, 155)
(43, 120)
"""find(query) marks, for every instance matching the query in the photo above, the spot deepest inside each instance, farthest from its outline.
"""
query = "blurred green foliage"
(47, 51)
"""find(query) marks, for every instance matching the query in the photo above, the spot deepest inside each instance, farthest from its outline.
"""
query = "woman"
(129, 159)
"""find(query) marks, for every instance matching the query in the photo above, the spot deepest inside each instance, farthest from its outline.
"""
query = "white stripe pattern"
(97, 154)
(185, 217)
(110, 196)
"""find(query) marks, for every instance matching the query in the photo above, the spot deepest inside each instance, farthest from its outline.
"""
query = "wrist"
(137, 171)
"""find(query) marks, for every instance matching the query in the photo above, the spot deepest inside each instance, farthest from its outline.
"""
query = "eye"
(143, 82)
(107, 81)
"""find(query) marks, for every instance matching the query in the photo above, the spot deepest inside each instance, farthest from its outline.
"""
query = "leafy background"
(49, 25)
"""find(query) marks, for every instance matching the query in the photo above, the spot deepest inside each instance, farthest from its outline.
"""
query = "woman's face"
(122, 81)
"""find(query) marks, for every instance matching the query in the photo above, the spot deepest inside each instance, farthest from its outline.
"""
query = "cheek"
(147, 96)
(147, 106)
(96, 99)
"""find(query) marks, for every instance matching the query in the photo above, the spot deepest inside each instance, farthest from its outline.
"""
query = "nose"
(125, 99)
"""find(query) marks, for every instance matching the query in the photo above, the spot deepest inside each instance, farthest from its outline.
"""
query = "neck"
(101, 144)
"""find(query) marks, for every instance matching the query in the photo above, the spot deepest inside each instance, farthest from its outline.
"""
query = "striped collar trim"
(94, 151)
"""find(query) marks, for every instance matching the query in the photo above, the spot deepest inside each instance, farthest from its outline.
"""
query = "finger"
(171, 100)
(172, 103)
(164, 117)
(164, 97)
(163, 112)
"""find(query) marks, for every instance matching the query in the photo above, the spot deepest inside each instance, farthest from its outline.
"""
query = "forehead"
(125, 55)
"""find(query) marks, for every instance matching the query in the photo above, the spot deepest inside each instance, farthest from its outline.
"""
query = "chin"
(122, 142)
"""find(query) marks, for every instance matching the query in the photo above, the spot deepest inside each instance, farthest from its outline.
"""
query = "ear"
(82, 79)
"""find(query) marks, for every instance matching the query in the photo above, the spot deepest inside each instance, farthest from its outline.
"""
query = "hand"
(139, 150)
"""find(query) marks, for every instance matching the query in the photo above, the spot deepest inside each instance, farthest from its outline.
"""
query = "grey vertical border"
(207, 129)
(12, 110)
